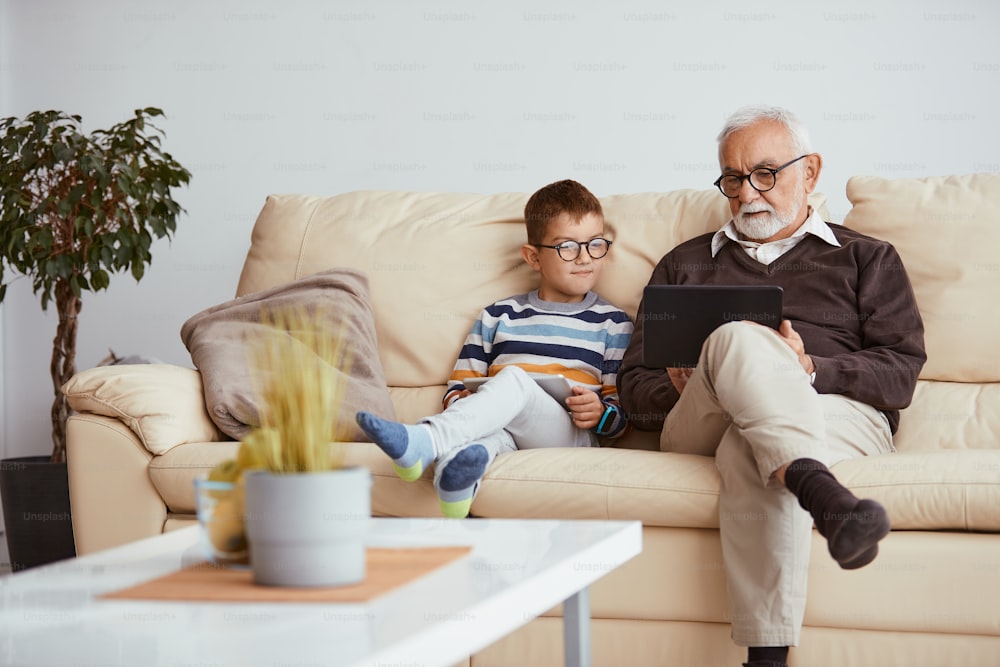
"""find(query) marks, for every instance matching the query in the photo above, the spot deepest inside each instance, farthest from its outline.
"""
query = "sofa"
(141, 434)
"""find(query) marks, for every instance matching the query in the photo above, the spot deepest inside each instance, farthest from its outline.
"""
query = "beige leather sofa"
(434, 259)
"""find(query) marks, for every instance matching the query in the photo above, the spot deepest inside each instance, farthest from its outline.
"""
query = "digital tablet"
(678, 318)
(556, 386)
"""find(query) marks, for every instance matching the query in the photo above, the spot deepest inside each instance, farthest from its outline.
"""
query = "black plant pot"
(36, 513)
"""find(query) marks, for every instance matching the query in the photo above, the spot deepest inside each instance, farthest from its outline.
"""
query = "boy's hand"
(679, 377)
(585, 407)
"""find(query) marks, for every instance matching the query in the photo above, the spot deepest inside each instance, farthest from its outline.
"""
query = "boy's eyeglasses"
(570, 250)
(761, 179)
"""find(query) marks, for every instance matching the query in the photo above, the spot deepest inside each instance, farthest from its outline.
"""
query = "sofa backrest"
(435, 259)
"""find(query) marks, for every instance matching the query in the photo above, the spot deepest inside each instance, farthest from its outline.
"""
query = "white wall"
(323, 97)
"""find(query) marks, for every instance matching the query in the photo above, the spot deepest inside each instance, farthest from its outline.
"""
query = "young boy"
(562, 328)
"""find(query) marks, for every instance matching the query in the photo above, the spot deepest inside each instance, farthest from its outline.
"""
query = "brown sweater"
(852, 305)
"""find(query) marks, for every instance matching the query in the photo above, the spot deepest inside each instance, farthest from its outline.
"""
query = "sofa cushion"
(945, 230)
(950, 415)
(162, 404)
(174, 472)
(658, 488)
(938, 490)
(921, 490)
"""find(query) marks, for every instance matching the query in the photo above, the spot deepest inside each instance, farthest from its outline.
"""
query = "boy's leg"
(458, 473)
(512, 402)
(411, 448)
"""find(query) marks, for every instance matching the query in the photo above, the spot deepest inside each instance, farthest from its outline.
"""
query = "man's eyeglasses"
(570, 250)
(761, 179)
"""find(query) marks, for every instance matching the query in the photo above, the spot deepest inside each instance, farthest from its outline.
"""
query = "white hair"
(749, 115)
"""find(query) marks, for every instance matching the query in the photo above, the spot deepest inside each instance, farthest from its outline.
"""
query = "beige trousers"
(749, 403)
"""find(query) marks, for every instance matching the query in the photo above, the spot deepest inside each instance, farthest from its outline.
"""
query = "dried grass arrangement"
(297, 370)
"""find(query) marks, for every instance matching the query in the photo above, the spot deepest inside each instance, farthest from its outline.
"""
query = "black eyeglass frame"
(749, 177)
(566, 245)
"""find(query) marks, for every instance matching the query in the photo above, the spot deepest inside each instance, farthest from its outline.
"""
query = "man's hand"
(794, 341)
(585, 407)
(680, 377)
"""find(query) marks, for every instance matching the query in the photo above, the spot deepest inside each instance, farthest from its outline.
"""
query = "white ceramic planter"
(308, 529)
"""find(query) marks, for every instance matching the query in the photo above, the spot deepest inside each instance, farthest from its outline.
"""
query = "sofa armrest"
(112, 499)
(162, 404)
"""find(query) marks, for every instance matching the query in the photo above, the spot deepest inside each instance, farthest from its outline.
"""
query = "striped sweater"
(582, 341)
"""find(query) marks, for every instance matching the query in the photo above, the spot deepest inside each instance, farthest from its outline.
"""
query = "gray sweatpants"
(509, 412)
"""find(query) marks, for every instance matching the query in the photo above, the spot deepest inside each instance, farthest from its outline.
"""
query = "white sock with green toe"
(457, 478)
(411, 448)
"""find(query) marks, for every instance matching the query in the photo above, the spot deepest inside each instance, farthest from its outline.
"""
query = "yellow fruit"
(225, 527)
(248, 457)
(227, 471)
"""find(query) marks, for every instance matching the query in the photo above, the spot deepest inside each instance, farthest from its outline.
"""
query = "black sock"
(769, 656)
(852, 527)
(819, 492)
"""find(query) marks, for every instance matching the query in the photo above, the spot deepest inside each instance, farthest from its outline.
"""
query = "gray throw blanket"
(218, 337)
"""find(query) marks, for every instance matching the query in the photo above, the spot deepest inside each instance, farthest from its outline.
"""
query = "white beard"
(761, 227)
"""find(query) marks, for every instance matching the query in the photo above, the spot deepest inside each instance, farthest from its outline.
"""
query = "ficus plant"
(76, 208)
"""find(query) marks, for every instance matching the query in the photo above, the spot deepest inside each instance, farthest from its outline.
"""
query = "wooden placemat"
(386, 569)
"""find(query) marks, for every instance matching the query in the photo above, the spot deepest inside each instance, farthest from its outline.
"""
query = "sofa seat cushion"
(942, 490)
(658, 488)
(958, 490)
(933, 490)
(174, 472)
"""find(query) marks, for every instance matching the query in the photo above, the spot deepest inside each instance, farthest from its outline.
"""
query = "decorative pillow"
(164, 405)
(218, 340)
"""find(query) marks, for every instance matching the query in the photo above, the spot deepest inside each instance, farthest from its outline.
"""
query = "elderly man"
(776, 408)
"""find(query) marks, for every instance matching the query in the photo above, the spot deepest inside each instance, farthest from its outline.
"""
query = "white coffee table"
(516, 570)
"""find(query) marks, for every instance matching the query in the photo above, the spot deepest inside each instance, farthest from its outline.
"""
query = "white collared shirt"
(766, 253)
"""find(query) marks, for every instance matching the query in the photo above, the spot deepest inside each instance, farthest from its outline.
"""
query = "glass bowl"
(219, 506)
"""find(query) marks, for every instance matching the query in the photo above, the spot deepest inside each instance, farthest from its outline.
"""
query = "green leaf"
(99, 280)
(62, 152)
(123, 250)
(76, 192)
